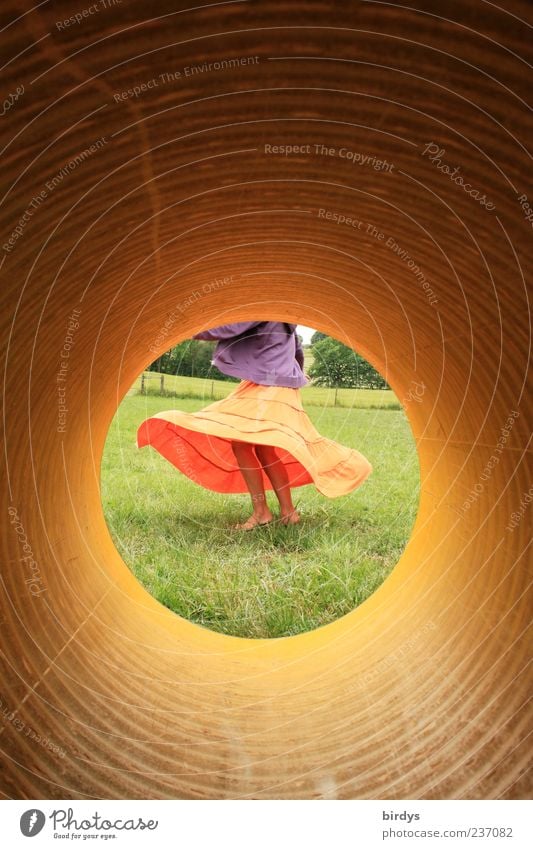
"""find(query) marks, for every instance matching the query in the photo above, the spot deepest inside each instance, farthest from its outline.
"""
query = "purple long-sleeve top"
(266, 352)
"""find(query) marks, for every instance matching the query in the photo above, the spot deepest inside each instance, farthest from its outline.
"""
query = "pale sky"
(305, 332)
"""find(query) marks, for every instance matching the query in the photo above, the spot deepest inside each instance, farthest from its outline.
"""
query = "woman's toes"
(250, 523)
(291, 518)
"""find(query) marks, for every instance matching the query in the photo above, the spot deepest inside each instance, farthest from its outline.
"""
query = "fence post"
(142, 384)
(162, 383)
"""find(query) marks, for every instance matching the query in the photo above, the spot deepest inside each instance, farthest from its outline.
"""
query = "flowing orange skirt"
(199, 444)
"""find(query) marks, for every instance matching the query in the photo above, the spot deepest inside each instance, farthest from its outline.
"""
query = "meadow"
(207, 389)
(273, 581)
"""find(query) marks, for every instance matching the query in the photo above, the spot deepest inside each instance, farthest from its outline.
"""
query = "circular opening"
(178, 535)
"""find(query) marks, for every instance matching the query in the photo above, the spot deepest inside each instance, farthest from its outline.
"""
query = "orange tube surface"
(364, 173)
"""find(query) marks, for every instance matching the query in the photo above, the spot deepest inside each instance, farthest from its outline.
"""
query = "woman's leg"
(277, 473)
(252, 473)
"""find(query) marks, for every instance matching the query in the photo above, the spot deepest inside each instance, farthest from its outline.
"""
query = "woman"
(259, 437)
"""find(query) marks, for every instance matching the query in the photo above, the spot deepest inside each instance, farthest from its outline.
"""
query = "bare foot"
(291, 518)
(253, 521)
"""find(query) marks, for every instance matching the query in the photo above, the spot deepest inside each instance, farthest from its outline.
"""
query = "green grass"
(209, 390)
(273, 581)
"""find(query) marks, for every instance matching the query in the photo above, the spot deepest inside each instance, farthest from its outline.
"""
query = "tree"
(332, 364)
(191, 358)
(317, 336)
(337, 365)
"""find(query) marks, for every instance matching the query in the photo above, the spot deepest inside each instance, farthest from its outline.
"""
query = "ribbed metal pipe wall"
(118, 205)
